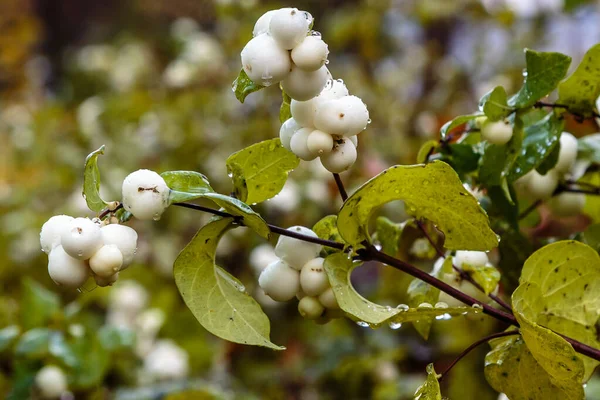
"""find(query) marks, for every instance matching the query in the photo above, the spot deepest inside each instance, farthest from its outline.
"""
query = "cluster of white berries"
(535, 186)
(326, 126)
(462, 259)
(299, 272)
(80, 247)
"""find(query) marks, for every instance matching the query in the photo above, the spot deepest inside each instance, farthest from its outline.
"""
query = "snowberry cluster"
(326, 126)
(299, 272)
(78, 247)
(462, 259)
(536, 186)
(285, 50)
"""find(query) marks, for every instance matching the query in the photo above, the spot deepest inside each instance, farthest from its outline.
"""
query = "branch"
(340, 185)
(107, 211)
(472, 346)
(578, 116)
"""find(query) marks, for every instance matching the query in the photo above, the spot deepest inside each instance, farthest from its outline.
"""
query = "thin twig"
(340, 186)
(530, 209)
(580, 117)
(107, 211)
(474, 345)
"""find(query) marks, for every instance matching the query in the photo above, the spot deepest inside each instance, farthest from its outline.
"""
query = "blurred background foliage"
(151, 80)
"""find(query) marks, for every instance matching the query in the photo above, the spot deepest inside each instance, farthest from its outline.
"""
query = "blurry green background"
(151, 80)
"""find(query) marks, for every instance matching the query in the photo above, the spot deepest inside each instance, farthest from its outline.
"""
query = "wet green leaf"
(238, 208)
(580, 90)
(494, 104)
(388, 234)
(430, 390)
(326, 228)
(91, 181)
(456, 122)
(487, 276)
(185, 185)
(243, 86)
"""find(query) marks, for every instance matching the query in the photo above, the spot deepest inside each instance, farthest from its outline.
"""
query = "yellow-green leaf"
(487, 276)
(580, 90)
(284, 111)
(388, 234)
(91, 181)
(238, 208)
(430, 390)
(217, 299)
(431, 191)
(326, 228)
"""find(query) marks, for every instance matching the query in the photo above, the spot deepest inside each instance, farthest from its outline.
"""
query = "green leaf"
(185, 185)
(326, 228)
(430, 390)
(456, 122)
(91, 181)
(580, 90)
(62, 350)
(544, 71)
(8, 336)
(510, 368)
(567, 277)
(114, 339)
(388, 234)
(514, 249)
(33, 343)
(237, 208)
(486, 276)
(431, 191)
(591, 236)
(93, 362)
(420, 292)
(243, 86)
(539, 143)
(260, 171)
(284, 111)
(426, 149)
(41, 304)
(494, 104)
(550, 161)
(462, 157)
(589, 148)
(218, 300)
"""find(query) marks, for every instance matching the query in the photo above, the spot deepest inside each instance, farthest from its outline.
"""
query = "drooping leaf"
(539, 143)
(494, 104)
(456, 122)
(430, 390)
(41, 304)
(388, 234)
(580, 90)
(431, 191)
(284, 111)
(260, 171)
(426, 149)
(185, 185)
(8, 336)
(544, 70)
(217, 299)
(487, 276)
(326, 228)
(243, 86)
(91, 181)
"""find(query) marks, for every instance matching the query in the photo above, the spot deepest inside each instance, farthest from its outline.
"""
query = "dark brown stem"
(579, 117)
(340, 186)
(107, 211)
(474, 345)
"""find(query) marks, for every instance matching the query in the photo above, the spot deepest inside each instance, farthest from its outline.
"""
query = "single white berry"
(310, 307)
(304, 85)
(145, 194)
(354, 140)
(167, 361)
(51, 381)
(473, 258)
(107, 261)
(106, 281)
(262, 24)
(124, 237)
(52, 231)
(304, 112)
(66, 270)
(541, 187)
(289, 27)
(341, 157)
(567, 204)
(264, 61)
(129, 297)
(327, 298)
(310, 54)
(497, 132)
(299, 144)
(82, 238)
(334, 89)
(313, 278)
(297, 252)
(288, 128)
(319, 142)
(346, 116)
(279, 281)
(568, 152)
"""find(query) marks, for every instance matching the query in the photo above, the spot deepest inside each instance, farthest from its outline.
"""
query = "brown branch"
(340, 186)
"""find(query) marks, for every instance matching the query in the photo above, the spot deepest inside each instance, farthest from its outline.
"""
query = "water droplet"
(477, 306)
(326, 62)
(362, 324)
(80, 253)
(315, 33)
(395, 325)
(340, 81)
(156, 217)
(441, 304)
(425, 305)
(444, 317)
(369, 121)
(403, 307)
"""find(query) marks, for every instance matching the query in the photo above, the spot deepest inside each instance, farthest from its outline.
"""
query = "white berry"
(319, 142)
(82, 238)
(567, 204)
(145, 194)
(313, 279)
(310, 307)
(124, 237)
(304, 112)
(129, 297)
(264, 61)
(311, 54)
(52, 231)
(289, 27)
(279, 281)
(341, 157)
(167, 361)
(51, 381)
(346, 116)
(542, 186)
(107, 261)
(568, 152)
(288, 128)
(304, 85)
(354, 140)
(497, 132)
(262, 24)
(66, 270)
(297, 252)
(327, 298)
(473, 258)
(106, 281)
(299, 144)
